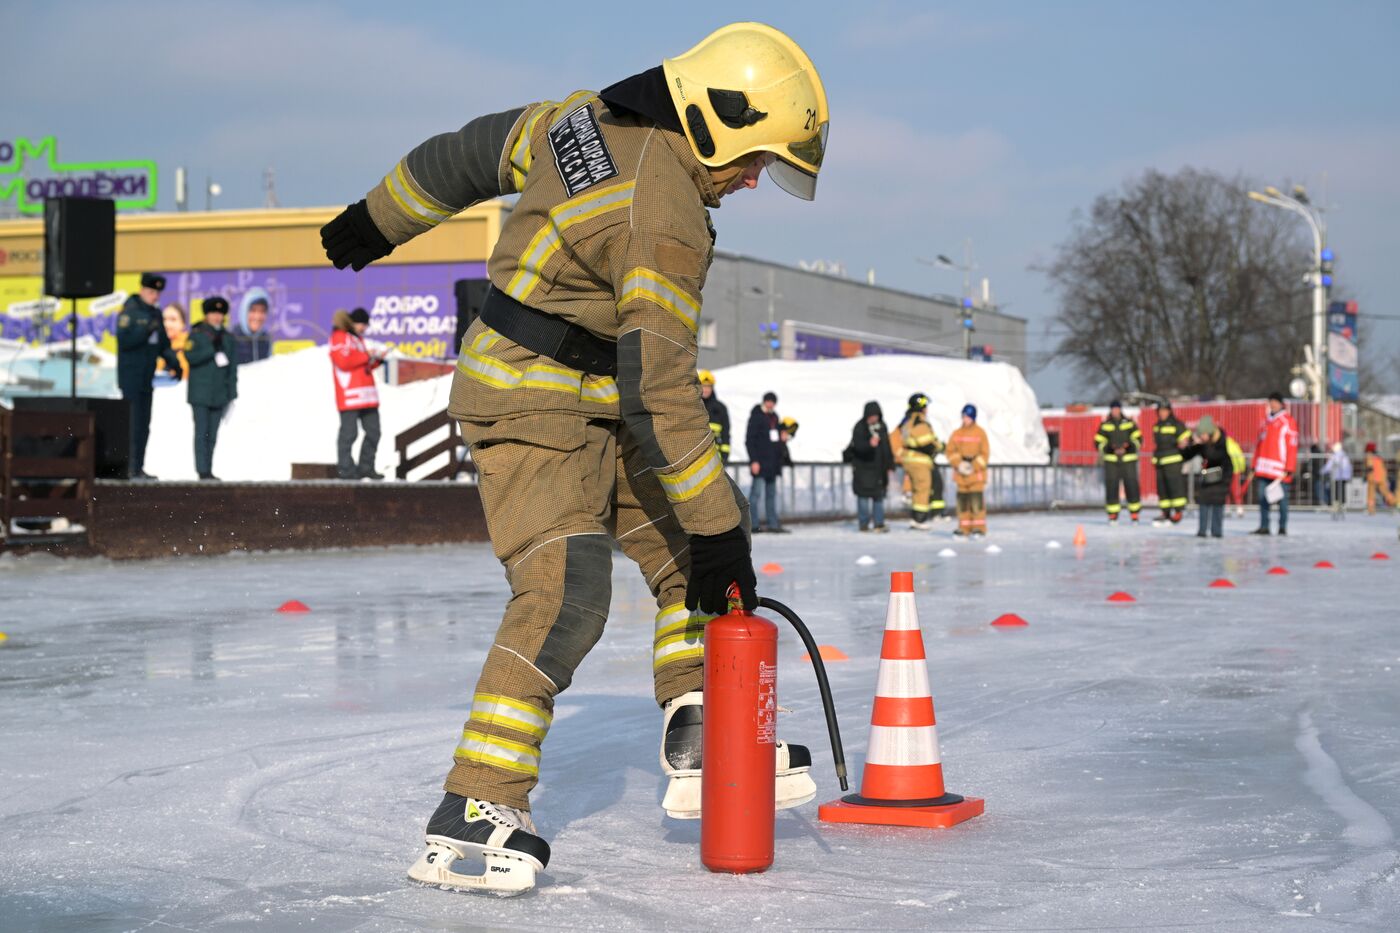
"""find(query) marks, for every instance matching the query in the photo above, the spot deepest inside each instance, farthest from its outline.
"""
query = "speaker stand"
(73, 348)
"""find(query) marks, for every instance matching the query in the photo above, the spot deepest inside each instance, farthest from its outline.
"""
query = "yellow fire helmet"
(706, 377)
(747, 88)
(790, 426)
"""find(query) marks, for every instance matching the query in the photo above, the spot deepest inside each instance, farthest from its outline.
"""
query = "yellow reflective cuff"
(489, 709)
(425, 208)
(690, 482)
(503, 753)
(652, 286)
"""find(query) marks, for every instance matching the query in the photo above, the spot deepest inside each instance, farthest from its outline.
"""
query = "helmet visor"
(796, 173)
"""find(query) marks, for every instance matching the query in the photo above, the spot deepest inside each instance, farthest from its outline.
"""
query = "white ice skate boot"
(466, 829)
(680, 762)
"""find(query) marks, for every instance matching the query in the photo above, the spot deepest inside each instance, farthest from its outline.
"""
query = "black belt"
(565, 343)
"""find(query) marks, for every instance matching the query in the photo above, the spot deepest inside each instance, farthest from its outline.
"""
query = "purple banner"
(412, 307)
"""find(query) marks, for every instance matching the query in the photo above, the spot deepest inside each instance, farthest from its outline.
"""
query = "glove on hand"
(351, 238)
(965, 468)
(716, 561)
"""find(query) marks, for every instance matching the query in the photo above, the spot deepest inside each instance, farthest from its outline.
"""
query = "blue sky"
(993, 121)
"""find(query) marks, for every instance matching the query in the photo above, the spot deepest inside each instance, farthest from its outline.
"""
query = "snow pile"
(827, 398)
(285, 414)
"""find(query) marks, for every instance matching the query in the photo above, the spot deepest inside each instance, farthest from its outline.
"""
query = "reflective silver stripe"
(487, 749)
(412, 200)
(604, 390)
(488, 708)
(691, 481)
(644, 283)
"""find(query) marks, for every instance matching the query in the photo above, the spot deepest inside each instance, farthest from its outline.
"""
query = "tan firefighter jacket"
(611, 233)
(918, 442)
(969, 444)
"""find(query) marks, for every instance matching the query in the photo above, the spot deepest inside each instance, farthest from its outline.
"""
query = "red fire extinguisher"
(739, 736)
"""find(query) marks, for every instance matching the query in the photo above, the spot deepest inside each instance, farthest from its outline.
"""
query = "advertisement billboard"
(1343, 384)
(412, 307)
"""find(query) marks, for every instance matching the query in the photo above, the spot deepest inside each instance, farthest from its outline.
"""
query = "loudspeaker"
(80, 247)
(471, 295)
(112, 423)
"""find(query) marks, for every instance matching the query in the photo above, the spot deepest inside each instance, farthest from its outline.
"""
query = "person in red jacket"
(353, 365)
(1275, 458)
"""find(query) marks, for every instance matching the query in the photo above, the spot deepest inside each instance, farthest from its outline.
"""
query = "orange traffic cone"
(1079, 539)
(903, 780)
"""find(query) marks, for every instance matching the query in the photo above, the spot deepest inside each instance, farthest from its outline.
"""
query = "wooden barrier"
(47, 459)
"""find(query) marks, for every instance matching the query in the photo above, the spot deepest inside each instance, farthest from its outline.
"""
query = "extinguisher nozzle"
(838, 755)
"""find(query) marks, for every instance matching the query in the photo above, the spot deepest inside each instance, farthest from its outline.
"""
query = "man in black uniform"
(141, 340)
(1119, 439)
(213, 381)
(1169, 435)
(718, 412)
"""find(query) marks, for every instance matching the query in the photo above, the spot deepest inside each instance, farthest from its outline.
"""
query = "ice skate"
(680, 762)
(501, 839)
(918, 525)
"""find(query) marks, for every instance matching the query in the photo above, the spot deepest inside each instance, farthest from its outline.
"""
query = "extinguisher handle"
(833, 729)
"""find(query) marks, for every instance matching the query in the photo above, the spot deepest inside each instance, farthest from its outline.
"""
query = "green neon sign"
(131, 182)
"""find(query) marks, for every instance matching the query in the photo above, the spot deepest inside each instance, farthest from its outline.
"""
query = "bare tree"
(1178, 284)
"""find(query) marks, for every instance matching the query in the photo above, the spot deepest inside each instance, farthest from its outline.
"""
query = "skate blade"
(504, 875)
(682, 799)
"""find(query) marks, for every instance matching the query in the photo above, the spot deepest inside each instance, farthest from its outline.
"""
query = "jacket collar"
(698, 173)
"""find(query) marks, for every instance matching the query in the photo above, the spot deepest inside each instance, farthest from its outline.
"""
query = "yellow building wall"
(258, 239)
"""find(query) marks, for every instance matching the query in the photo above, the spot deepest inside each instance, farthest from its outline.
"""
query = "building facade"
(750, 304)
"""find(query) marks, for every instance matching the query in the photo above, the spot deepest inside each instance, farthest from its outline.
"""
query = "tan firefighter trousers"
(557, 490)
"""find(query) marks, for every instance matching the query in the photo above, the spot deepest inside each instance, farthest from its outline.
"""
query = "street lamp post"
(966, 267)
(1300, 205)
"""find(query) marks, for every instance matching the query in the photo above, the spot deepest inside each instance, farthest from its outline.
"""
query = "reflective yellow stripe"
(911, 456)
(479, 366)
(431, 212)
(569, 106)
(646, 284)
(503, 753)
(690, 482)
(520, 154)
(544, 244)
(488, 708)
(680, 634)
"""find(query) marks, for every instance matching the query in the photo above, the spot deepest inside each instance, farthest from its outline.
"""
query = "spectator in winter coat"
(1275, 460)
(765, 445)
(1217, 470)
(353, 366)
(872, 462)
(1377, 483)
(1337, 470)
(213, 381)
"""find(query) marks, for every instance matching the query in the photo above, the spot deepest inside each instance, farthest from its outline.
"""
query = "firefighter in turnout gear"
(1169, 435)
(968, 455)
(577, 386)
(718, 412)
(919, 446)
(1119, 439)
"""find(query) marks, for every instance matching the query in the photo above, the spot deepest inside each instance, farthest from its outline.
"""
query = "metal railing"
(823, 490)
(1311, 489)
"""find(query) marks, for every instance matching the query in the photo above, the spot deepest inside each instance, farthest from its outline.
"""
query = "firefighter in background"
(1119, 439)
(968, 455)
(1169, 435)
(1377, 482)
(919, 446)
(577, 391)
(718, 412)
(1239, 478)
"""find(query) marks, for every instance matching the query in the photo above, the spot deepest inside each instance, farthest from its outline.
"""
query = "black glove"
(351, 238)
(716, 562)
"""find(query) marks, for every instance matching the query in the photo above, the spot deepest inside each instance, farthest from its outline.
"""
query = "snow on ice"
(178, 755)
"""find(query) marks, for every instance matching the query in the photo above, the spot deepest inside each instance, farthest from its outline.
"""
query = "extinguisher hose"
(832, 728)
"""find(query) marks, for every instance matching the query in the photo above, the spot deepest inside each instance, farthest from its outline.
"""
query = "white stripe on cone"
(903, 745)
(902, 680)
(901, 614)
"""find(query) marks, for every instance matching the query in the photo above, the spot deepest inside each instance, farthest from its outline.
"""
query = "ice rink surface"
(174, 755)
